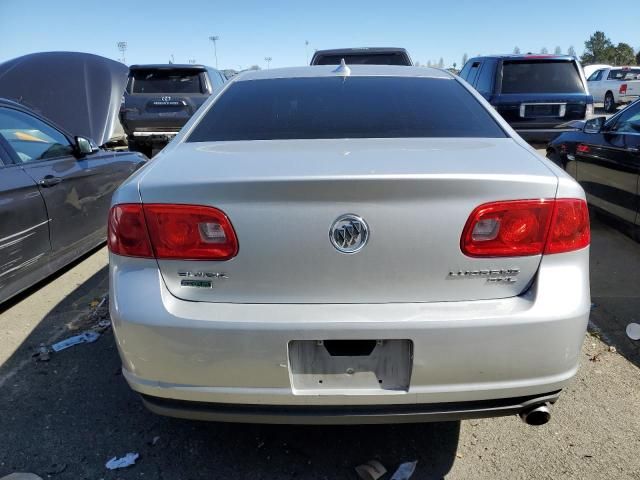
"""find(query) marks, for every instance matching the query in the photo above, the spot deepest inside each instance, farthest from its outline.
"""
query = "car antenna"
(343, 69)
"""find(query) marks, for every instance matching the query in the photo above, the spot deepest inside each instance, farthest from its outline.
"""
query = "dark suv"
(536, 94)
(160, 99)
(367, 56)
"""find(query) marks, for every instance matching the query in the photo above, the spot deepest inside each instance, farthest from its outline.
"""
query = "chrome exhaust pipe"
(538, 415)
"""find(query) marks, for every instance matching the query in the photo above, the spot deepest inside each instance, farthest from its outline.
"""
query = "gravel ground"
(64, 418)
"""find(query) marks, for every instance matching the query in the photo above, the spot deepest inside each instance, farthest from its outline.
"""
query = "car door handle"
(49, 181)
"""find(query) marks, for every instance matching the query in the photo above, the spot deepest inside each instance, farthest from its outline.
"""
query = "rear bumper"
(464, 353)
(344, 415)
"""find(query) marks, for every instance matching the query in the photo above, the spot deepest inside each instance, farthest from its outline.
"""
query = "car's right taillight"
(518, 228)
(170, 231)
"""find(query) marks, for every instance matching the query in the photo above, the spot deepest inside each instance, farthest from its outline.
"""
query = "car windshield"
(353, 107)
(363, 59)
(537, 76)
(625, 74)
(165, 81)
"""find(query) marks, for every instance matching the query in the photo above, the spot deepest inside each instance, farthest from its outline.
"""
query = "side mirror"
(594, 125)
(85, 146)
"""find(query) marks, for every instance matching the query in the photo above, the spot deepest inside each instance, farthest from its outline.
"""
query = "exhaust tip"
(536, 416)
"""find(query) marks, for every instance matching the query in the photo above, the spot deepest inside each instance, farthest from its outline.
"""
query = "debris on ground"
(372, 470)
(21, 476)
(123, 462)
(155, 440)
(404, 471)
(612, 349)
(595, 358)
(42, 354)
(86, 337)
(90, 335)
(633, 331)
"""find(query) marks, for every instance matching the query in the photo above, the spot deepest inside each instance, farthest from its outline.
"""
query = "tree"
(544, 50)
(638, 57)
(441, 63)
(416, 64)
(622, 54)
(465, 57)
(516, 50)
(428, 63)
(597, 49)
(557, 51)
(572, 51)
(255, 67)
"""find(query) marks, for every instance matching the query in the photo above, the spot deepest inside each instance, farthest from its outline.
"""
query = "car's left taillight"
(169, 231)
(623, 89)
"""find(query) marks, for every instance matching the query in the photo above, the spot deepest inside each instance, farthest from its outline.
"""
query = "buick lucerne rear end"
(354, 245)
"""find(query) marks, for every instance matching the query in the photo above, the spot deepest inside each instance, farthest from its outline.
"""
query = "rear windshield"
(352, 107)
(625, 74)
(363, 59)
(541, 77)
(165, 81)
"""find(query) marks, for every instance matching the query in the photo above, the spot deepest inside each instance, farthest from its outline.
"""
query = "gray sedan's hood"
(79, 91)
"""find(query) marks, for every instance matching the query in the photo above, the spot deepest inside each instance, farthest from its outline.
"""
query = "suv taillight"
(526, 227)
(623, 89)
(168, 231)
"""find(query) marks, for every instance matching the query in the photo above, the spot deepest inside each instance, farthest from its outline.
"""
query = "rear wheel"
(609, 103)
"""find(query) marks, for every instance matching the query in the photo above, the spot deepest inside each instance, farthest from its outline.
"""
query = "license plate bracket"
(315, 370)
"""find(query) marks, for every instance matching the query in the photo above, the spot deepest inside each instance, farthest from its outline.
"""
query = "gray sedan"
(349, 245)
(55, 191)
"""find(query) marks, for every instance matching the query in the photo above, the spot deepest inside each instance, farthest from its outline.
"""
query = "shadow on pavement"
(65, 418)
(615, 286)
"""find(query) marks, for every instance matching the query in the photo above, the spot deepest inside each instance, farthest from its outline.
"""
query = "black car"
(56, 186)
(536, 94)
(604, 156)
(362, 56)
(160, 99)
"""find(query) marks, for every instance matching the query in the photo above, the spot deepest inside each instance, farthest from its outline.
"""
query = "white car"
(613, 86)
(350, 245)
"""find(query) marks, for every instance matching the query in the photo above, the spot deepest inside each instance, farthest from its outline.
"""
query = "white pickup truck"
(613, 86)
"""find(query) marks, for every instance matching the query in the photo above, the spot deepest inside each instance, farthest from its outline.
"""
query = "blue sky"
(252, 30)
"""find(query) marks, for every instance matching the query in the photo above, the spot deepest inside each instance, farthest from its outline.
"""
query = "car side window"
(473, 72)
(595, 76)
(615, 75)
(628, 121)
(485, 79)
(465, 70)
(32, 139)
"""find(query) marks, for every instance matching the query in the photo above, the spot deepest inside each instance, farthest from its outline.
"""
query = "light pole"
(214, 39)
(268, 60)
(192, 61)
(306, 50)
(122, 46)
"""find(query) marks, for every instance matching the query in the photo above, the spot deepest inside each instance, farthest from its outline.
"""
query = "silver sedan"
(349, 245)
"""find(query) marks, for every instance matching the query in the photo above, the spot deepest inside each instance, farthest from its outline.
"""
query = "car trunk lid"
(282, 198)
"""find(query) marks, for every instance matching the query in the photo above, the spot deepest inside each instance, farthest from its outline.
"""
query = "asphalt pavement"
(66, 417)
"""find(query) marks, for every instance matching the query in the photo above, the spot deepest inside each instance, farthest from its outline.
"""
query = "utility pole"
(268, 60)
(214, 39)
(122, 46)
(306, 50)
(192, 61)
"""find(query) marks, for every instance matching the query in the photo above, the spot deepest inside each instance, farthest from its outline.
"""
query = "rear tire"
(609, 103)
